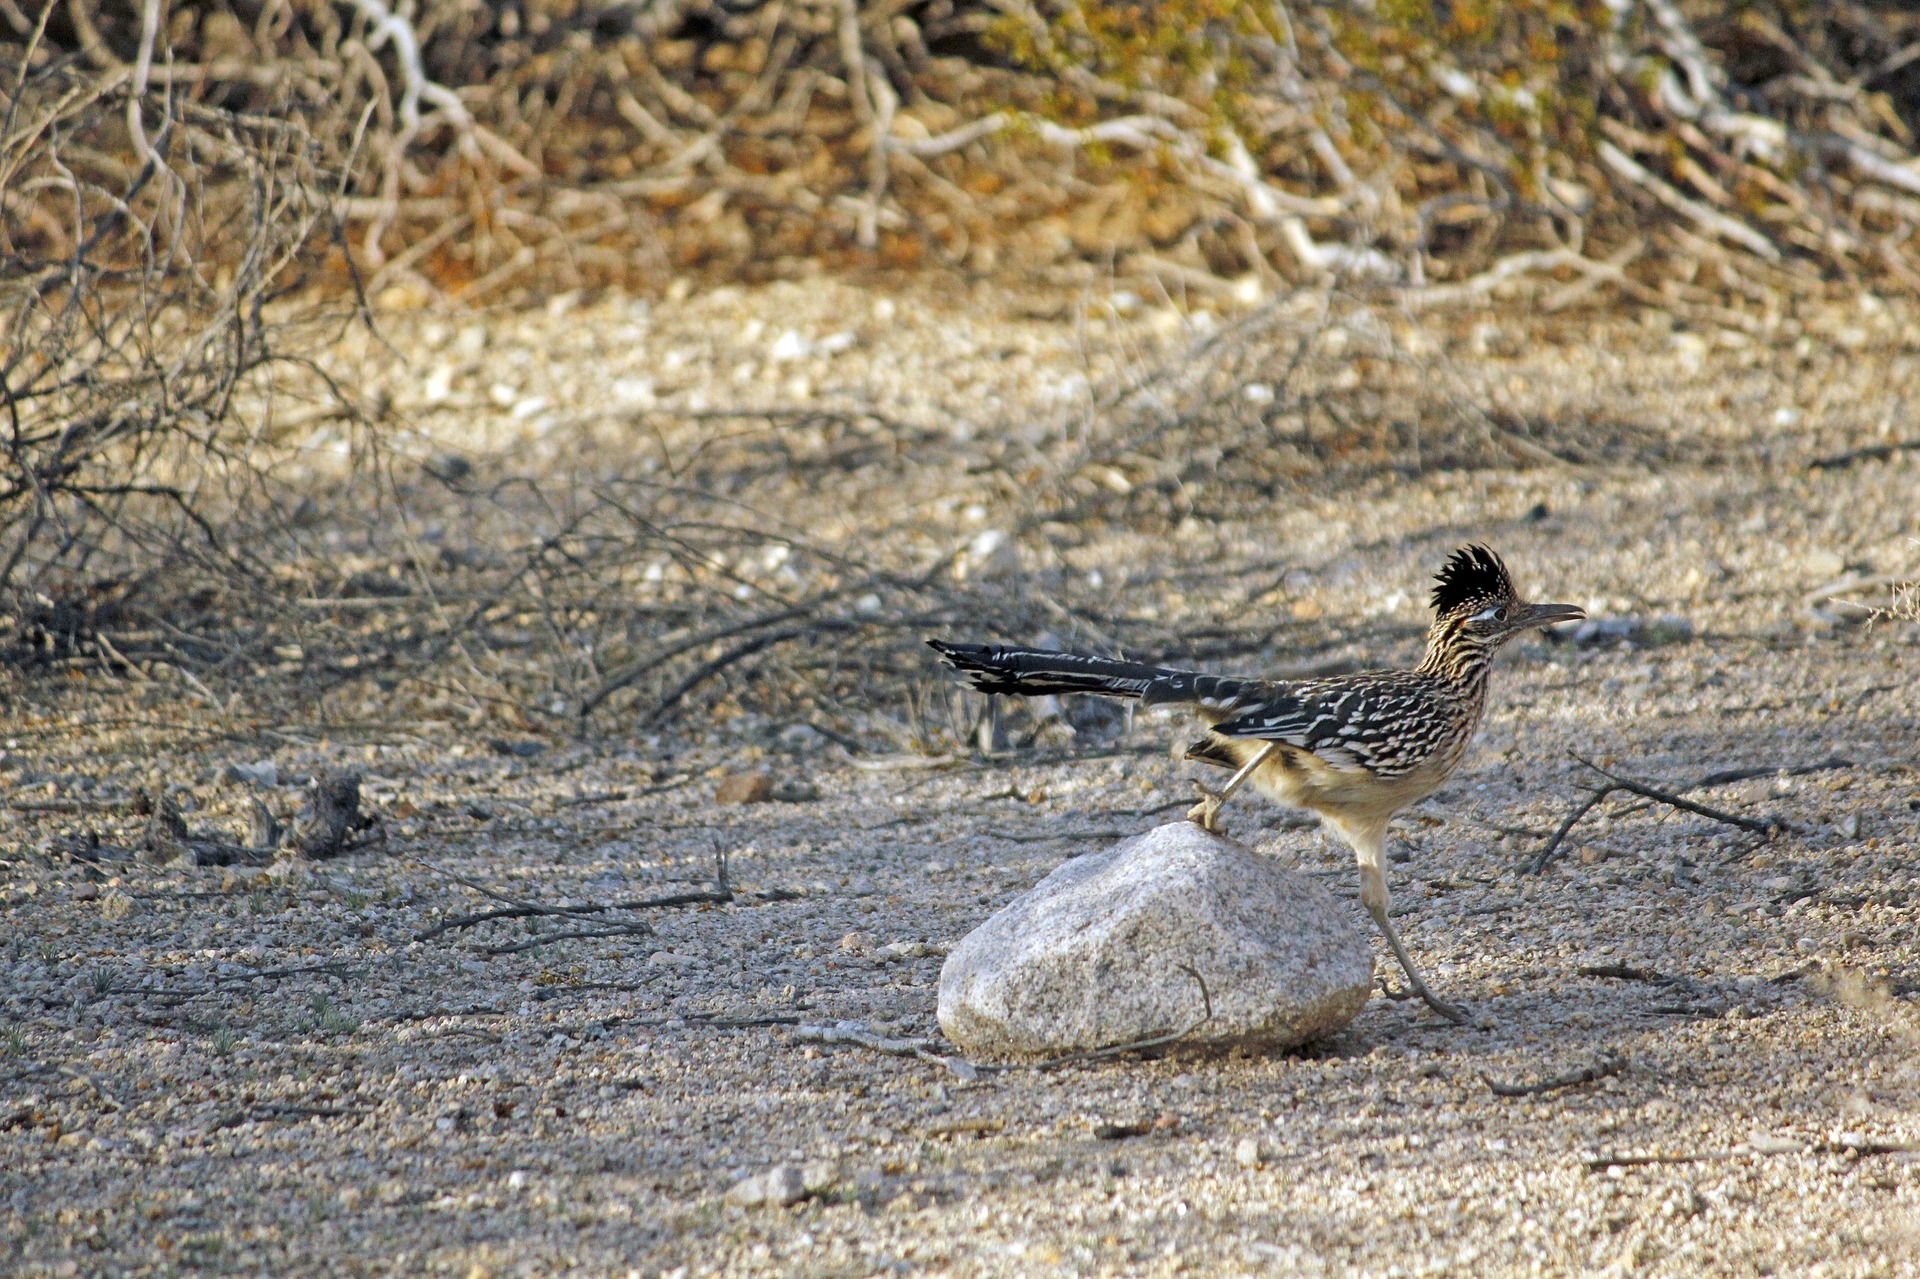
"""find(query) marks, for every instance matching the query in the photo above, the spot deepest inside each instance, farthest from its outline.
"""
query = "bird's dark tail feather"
(1211, 750)
(1033, 672)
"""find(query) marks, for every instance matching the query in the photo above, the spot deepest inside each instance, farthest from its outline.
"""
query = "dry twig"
(1765, 827)
(720, 894)
(1606, 1064)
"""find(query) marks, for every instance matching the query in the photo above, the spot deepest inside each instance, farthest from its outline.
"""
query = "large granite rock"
(1098, 954)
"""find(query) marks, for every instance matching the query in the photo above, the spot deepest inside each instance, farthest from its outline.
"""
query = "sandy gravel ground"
(265, 1072)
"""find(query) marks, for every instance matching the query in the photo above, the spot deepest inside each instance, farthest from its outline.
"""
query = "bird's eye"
(1494, 614)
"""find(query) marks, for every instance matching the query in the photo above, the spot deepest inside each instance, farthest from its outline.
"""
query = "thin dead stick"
(298, 970)
(1600, 1163)
(518, 903)
(1501, 272)
(628, 674)
(1730, 775)
(705, 1021)
(1861, 1144)
(1115, 1050)
(1612, 270)
(1711, 220)
(221, 980)
(1727, 777)
(1765, 827)
(1547, 850)
(263, 1111)
(1626, 972)
(1608, 1063)
(1858, 1145)
(635, 929)
(860, 1035)
(746, 648)
(1768, 826)
(517, 908)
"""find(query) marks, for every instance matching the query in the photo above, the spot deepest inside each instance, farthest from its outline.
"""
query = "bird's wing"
(1373, 723)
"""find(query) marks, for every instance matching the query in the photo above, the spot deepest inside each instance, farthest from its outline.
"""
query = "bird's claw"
(1206, 813)
(1452, 1012)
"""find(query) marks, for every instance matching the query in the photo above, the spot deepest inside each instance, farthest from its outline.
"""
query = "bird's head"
(1477, 609)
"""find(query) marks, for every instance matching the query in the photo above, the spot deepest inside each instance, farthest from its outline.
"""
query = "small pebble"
(670, 959)
(794, 792)
(744, 788)
(778, 1186)
(265, 773)
(1249, 1153)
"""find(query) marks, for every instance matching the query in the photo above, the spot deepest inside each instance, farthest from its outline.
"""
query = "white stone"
(991, 553)
(1113, 948)
(779, 1185)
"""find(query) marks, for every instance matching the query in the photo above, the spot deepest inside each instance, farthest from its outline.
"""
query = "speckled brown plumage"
(1354, 748)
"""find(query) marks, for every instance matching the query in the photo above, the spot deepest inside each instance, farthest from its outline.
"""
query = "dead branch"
(130, 485)
(1606, 1064)
(719, 895)
(1766, 827)
(860, 1035)
(1593, 800)
(634, 929)
(1216, 111)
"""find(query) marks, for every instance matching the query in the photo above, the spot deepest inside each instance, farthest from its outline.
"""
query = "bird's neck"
(1453, 657)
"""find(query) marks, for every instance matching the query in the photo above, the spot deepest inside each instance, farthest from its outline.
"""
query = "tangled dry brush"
(198, 196)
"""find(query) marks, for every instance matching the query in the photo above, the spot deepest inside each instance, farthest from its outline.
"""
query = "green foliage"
(1507, 83)
(328, 1019)
(1208, 54)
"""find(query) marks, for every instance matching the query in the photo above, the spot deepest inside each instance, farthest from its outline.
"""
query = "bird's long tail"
(1033, 672)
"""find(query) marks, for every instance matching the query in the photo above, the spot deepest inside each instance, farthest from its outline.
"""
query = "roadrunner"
(1354, 748)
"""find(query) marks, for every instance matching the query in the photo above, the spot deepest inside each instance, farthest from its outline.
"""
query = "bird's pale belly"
(1304, 780)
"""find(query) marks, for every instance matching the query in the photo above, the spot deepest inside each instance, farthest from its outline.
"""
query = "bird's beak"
(1533, 615)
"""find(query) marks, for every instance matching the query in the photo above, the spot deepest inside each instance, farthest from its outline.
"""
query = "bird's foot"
(1206, 813)
(1452, 1012)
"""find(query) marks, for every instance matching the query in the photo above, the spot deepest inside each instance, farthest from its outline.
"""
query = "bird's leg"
(1207, 811)
(1370, 851)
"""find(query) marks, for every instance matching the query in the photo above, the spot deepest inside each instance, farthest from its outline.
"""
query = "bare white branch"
(1710, 220)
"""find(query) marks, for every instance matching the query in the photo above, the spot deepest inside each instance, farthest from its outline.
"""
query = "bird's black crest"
(1473, 573)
